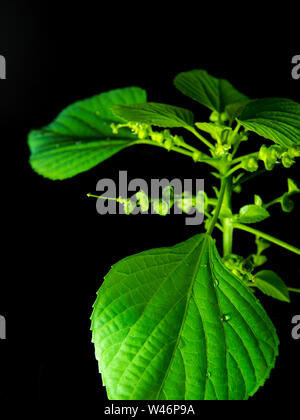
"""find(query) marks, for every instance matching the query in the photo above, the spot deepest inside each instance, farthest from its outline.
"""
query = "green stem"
(200, 137)
(103, 197)
(241, 158)
(267, 237)
(227, 223)
(277, 200)
(232, 170)
(291, 289)
(218, 207)
(250, 176)
(237, 144)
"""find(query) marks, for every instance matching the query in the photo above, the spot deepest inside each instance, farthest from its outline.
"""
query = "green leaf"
(272, 285)
(214, 130)
(81, 136)
(175, 324)
(252, 214)
(209, 91)
(276, 119)
(161, 115)
(235, 110)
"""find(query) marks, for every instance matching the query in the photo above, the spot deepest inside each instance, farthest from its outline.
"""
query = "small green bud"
(250, 165)
(178, 140)
(237, 189)
(286, 160)
(263, 153)
(294, 151)
(258, 200)
(129, 206)
(142, 200)
(246, 266)
(142, 133)
(287, 204)
(114, 128)
(186, 202)
(157, 137)
(160, 207)
(168, 143)
(221, 150)
(269, 156)
(197, 156)
(214, 116)
(224, 117)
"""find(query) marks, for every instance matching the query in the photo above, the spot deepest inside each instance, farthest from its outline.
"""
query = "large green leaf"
(161, 115)
(81, 136)
(209, 91)
(176, 324)
(276, 119)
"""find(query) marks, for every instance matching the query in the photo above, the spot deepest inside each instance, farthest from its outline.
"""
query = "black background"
(56, 248)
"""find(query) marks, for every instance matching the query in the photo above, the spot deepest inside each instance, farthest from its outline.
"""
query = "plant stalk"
(227, 223)
(267, 237)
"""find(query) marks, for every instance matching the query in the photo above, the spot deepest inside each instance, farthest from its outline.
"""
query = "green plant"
(182, 322)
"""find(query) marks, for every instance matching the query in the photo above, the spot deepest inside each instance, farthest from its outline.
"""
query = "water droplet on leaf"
(225, 318)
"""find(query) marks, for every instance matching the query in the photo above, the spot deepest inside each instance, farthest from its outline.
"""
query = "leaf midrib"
(189, 294)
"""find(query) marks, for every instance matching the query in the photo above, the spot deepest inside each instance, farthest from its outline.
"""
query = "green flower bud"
(269, 156)
(114, 128)
(156, 136)
(160, 207)
(287, 204)
(221, 150)
(250, 165)
(237, 189)
(178, 140)
(214, 116)
(263, 153)
(129, 206)
(258, 200)
(224, 117)
(142, 200)
(168, 143)
(186, 202)
(142, 133)
(197, 156)
(294, 151)
(286, 160)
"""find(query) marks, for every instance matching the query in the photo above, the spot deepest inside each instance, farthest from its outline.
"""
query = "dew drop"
(208, 375)
(216, 283)
(225, 318)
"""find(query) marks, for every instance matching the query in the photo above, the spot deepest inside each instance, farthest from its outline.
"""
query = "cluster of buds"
(144, 131)
(274, 154)
(250, 164)
(239, 266)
